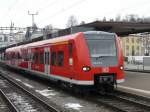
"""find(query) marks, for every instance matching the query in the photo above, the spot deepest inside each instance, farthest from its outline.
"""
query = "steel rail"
(11, 106)
(42, 102)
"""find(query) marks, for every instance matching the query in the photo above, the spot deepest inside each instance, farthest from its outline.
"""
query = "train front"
(106, 59)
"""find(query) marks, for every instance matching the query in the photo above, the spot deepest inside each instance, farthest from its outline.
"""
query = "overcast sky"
(56, 12)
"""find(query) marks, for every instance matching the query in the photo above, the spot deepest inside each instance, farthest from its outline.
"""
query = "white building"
(9, 39)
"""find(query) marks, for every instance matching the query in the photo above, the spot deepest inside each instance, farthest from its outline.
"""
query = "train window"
(41, 58)
(45, 58)
(53, 58)
(70, 49)
(13, 55)
(48, 58)
(19, 57)
(26, 57)
(60, 58)
(33, 60)
(31, 56)
(35, 57)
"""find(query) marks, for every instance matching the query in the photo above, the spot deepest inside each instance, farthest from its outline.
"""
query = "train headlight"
(121, 67)
(86, 68)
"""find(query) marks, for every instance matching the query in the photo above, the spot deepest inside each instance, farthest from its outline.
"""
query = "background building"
(9, 39)
(136, 44)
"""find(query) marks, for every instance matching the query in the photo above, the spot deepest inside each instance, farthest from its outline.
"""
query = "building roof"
(120, 28)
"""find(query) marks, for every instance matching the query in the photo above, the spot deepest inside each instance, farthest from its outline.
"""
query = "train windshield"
(103, 50)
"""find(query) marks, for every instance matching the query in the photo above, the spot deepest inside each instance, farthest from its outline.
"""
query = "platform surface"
(136, 82)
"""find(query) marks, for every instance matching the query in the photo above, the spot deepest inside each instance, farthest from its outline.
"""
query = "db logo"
(106, 70)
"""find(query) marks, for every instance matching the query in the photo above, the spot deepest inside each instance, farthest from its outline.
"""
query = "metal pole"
(32, 20)
(32, 14)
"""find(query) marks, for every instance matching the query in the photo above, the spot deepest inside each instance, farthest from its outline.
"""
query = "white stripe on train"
(54, 77)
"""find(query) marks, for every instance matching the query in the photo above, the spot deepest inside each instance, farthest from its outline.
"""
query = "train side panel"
(67, 60)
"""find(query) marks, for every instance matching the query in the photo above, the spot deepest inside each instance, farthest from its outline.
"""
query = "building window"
(127, 40)
(132, 40)
(137, 47)
(60, 58)
(137, 53)
(127, 47)
(127, 54)
(133, 51)
(53, 58)
(137, 40)
(132, 47)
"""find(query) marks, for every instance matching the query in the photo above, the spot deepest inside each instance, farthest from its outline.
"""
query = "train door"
(47, 60)
(29, 58)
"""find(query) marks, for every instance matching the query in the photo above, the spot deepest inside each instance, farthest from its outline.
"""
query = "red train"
(85, 59)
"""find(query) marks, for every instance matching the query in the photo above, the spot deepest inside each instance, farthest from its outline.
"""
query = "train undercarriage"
(105, 83)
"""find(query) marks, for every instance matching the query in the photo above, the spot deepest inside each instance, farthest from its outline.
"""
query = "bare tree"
(140, 19)
(131, 18)
(111, 20)
(118, 18)
(82, 23)
(104, 19)
(48, 28)
(72, 21)
(147, 19)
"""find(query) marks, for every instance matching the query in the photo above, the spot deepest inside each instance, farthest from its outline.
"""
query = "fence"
(138, 63)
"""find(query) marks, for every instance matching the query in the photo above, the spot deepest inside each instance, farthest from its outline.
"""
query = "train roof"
(56, 40)
(98, 32)
(99, 35)
(44, 42)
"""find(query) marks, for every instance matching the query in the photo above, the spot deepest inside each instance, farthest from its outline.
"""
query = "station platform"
(137, 83)
(139, 70)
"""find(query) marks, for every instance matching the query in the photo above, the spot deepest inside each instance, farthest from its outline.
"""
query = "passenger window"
(45, 58)
(41, 58)
(48, 58)
(19, 57)
(70, 50)
(26, 57)
(53, 58)
(35, 57)
(60, 58)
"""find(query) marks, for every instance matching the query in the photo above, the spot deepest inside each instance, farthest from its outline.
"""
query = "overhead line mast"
(32, 14)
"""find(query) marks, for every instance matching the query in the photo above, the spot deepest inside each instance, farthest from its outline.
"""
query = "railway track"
(121, 102)
(5, 104)
(20, 99)
(124, 102)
